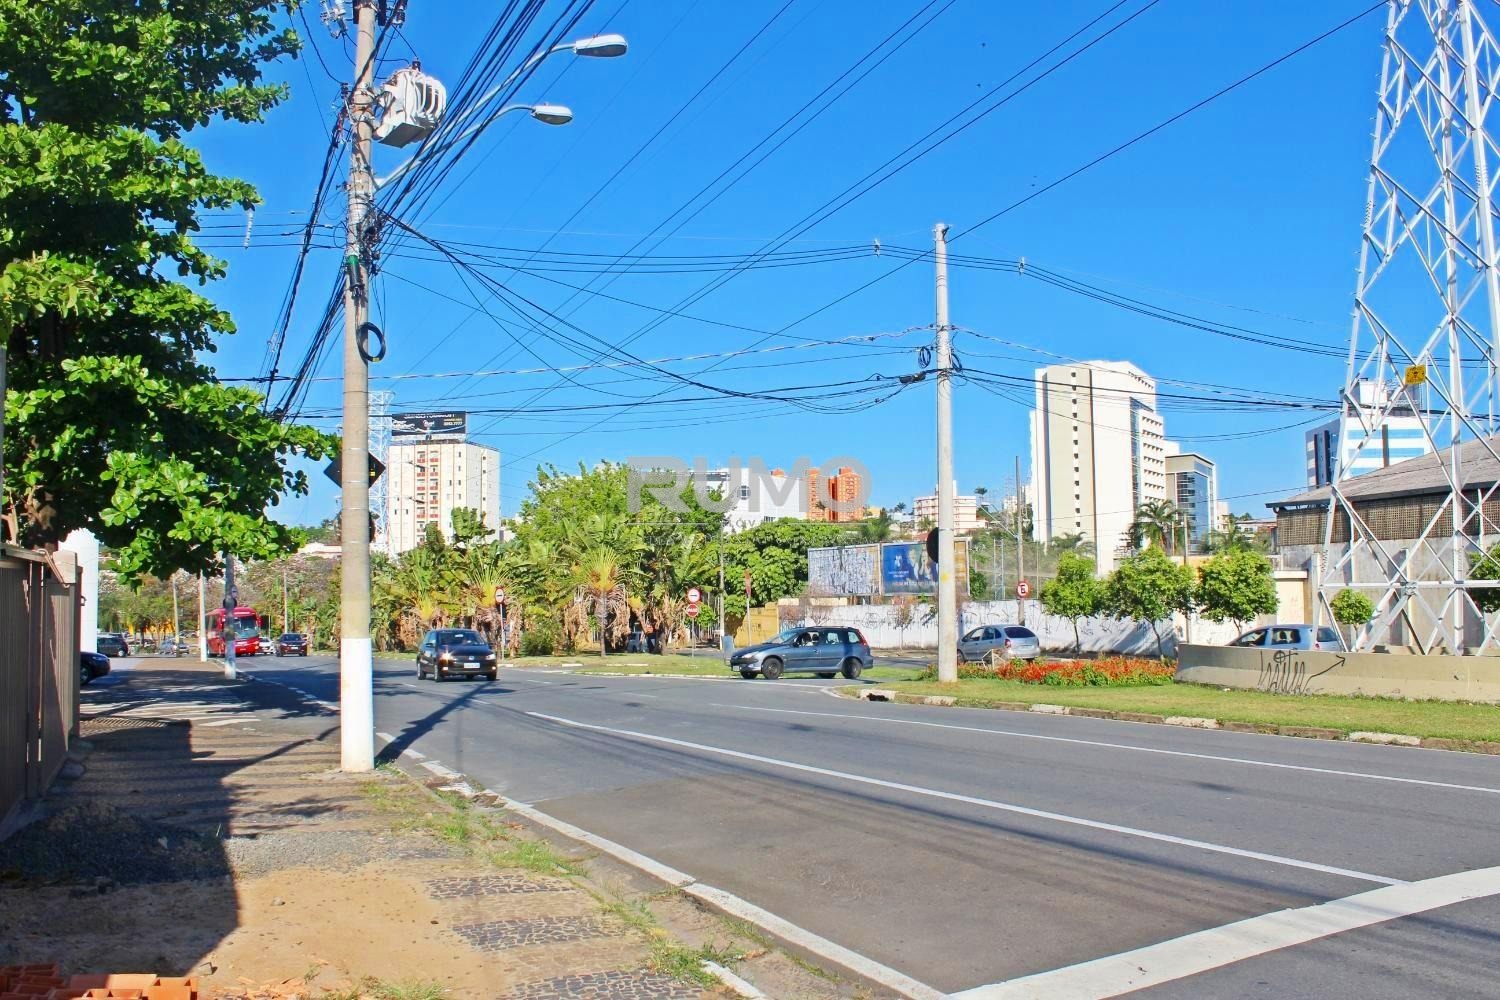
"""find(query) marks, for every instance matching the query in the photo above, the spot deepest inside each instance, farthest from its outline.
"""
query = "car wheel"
(84, 676)
(421, 674)
(961, 658)
(770, 668)
(851, 669)
(493, 675)
(437, 675)
(749, 675)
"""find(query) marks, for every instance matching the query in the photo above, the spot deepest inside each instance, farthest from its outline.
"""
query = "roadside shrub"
(539, 641)
(1114, 671)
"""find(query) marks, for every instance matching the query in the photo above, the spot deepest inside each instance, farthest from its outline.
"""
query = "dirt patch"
(91, 841)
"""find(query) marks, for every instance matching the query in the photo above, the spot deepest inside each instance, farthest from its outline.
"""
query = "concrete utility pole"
(356, 700)
(176, 615)
(1020, 542)
(286, 605)
(202, 622)
(947, 591)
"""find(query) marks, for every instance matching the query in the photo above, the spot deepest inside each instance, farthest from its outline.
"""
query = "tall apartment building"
(755, 502)
(965, 511)
(842, 485)
(428, 478)
(1098, 451)
(1395, 439)
(1193, 485)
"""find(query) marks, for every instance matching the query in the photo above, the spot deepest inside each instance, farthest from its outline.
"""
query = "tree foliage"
(1147, 587)
(1350, 607)
(1484, 566)
(112, 421)
(1074, 593)
(1236, 586)
(1156, 522)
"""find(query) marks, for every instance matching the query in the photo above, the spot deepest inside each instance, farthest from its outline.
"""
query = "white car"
(1009, 642)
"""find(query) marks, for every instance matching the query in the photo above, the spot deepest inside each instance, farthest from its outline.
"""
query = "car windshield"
(786, 635)
(460, 636)
(291, 637)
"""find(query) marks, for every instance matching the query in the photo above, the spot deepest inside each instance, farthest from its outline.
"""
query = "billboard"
(436, 423)
(887, 569)
(847, 571)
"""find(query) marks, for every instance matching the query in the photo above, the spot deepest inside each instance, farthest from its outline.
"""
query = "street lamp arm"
(549, 114)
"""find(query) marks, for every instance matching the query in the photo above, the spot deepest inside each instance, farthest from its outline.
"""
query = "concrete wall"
(1295, 671)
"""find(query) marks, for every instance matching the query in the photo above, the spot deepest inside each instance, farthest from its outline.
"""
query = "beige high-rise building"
(1098, 451)
(429, 478)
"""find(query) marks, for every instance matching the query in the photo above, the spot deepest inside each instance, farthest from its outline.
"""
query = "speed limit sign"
(694, 595)
(1023, 589)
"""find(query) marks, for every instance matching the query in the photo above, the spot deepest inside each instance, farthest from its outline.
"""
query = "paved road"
(966, 848)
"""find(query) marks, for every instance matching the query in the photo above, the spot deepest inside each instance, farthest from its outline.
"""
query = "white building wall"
(429, 479)
(756, 502)
(965, 511)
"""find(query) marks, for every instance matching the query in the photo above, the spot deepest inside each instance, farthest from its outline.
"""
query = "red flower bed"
(1114, 671)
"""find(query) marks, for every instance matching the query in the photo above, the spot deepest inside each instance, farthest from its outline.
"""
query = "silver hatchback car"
(1290, 637)
(1010, 642)
(825, 651)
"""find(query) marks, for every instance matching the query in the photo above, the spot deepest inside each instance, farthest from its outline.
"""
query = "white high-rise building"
(1098, 452)
(965, 511)
(1397, 438)
(428, 478)
(756, 502)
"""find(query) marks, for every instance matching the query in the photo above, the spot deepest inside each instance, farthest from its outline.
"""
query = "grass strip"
(1346, 713)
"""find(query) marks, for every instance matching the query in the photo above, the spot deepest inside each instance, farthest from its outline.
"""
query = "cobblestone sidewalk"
(294, 871)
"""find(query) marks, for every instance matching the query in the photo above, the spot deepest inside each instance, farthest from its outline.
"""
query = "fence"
(38, 672)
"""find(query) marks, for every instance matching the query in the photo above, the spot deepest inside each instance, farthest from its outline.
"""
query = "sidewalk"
(210, 833)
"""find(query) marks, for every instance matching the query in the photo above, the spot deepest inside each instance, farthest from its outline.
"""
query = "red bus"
(247, 626)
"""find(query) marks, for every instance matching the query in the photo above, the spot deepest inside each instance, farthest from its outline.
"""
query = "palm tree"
(1072, 542)
(601, 580)
(1156, 523)
(875, 529)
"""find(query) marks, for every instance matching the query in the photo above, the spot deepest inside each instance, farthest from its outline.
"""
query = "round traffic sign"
(693, 609)
(694, 595)
(499, 595)
(1023, 589)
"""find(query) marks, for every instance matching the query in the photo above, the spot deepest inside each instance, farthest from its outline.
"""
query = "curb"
(1186, 721)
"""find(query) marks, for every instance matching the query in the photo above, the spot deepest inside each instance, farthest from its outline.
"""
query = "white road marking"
(1216, 947)
(1125, 746)
(1128, 831)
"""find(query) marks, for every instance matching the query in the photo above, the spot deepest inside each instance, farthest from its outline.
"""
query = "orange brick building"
(842, 487)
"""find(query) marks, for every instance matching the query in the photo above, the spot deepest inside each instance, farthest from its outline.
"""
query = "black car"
(455, 652)
(291, 644)
(112, 644)
(91, 665)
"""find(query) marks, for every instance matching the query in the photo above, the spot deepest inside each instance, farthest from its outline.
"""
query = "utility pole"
(947, 593)
(356, 699)
(202, 622)
(286, 605)
(1020, 543)
(231, 601)
(1187, 616)
(176, 615)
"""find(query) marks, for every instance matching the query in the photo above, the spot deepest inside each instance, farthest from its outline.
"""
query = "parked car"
(824, 651)
(1009, 642)
(1290, 637)
(112, 644)
(172, 646)
(91, 665)
(455, 652)
(291, 644)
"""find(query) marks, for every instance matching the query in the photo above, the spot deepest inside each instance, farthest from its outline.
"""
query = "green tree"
(874, 529)
(775, 555)
(1235, 586)
(1147, 587)
(469, 527)
(112, 422)
(1485, 566)
(1353, 609)
(1074, 593)
(1156, 522)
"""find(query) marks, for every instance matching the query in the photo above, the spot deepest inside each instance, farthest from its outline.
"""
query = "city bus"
(247, 631)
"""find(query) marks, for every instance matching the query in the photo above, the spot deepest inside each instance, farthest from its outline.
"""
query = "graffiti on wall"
(846, 571)
(1285, 671)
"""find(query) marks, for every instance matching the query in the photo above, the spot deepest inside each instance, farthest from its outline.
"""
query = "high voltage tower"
(1426, 338)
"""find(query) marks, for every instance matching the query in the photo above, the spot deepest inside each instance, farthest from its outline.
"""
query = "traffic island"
(1437, 725)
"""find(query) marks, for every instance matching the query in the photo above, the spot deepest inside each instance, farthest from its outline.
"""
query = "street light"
(597, 46)
(547, 114)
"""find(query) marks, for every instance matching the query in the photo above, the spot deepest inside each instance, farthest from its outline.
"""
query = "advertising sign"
(847, 571)
(436, 423)
(906, 569)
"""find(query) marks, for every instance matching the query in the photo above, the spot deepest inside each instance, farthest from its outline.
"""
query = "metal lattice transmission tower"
(1426, 340)
(380, 449)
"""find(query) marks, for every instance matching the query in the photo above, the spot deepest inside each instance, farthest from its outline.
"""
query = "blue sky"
(1246, 213)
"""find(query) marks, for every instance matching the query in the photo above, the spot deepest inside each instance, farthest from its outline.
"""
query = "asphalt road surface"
(1002, 854)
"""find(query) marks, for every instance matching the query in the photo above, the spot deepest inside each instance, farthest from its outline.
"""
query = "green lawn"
(1441, 719)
